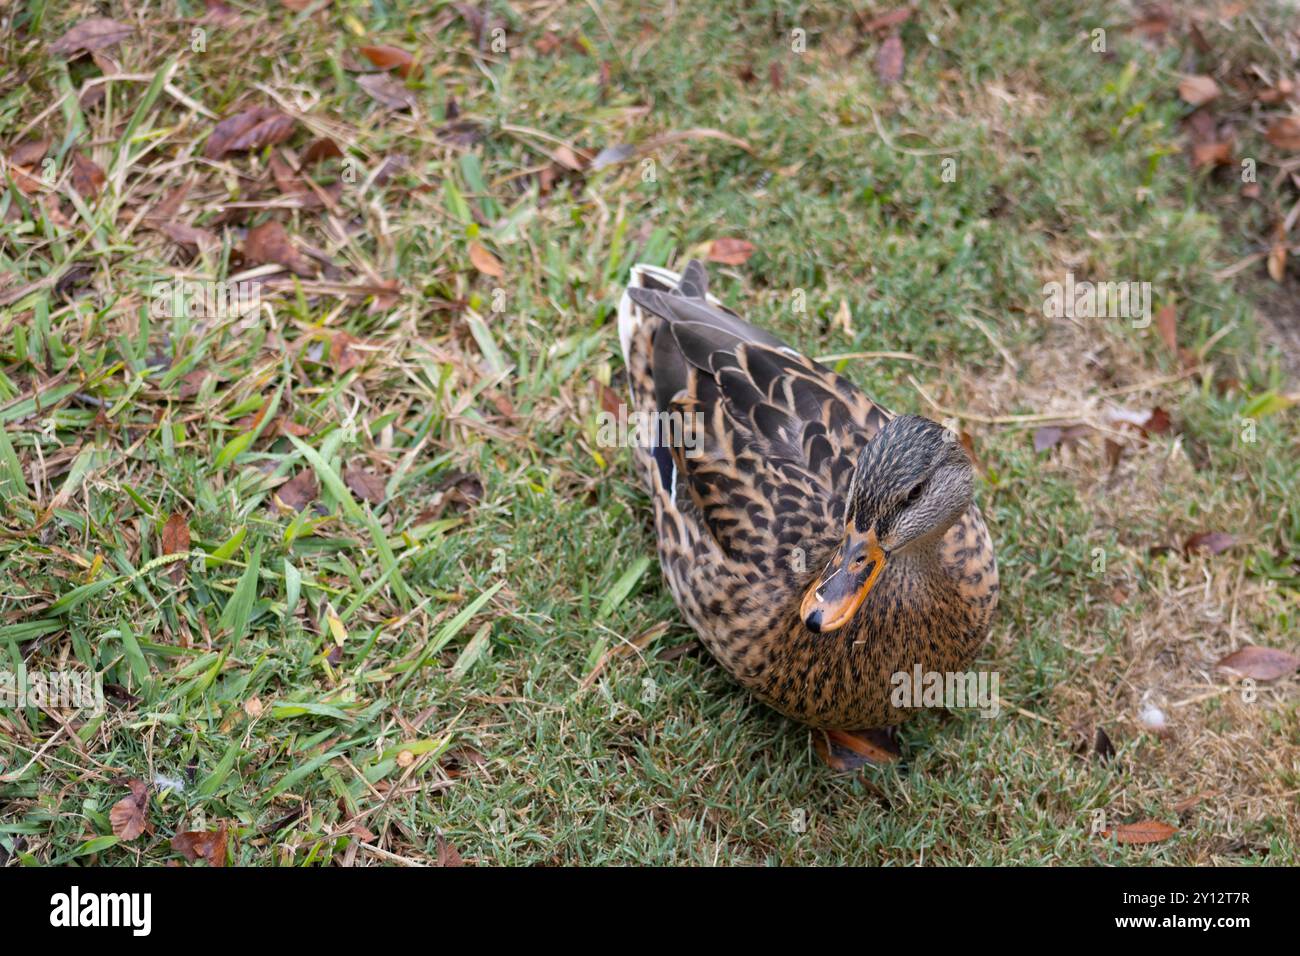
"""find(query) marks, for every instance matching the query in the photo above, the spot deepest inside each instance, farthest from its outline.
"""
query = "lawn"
(363, 586)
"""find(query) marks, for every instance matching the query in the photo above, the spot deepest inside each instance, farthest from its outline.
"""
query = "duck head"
(912, 481)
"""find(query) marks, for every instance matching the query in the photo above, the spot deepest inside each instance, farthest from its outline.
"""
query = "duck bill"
(844, 585)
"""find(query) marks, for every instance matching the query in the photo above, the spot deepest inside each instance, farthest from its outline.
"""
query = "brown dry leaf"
(128, 815)
(1145, 831)
(1198, 90)
(548, 43)
(730, 252)
(885, 21)
(1214, 153)
(484, 261)
(176, 540)
(1158, 422)
(207, 845)
(249, 130)
(383, 89)
(342, 355)
(1285, 133)
(1277, 261)
(459, 490)
(321, 149)
(97, 33)
(269, 243)
(447, 854)
(87, 177)
(889, 60)
(299, 491)
(254, 707)
(29, 152)
(1167, 326)
(1215, 542)
(609, 400)
(365, 484)
(389, 58)
(190, 236)
(1260, 663)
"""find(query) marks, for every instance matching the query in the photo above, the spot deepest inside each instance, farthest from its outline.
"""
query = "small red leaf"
(889, 60)
(730, 252)
(1145, 831)
(389, 58)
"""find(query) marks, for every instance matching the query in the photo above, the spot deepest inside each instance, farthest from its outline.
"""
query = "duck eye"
(915, 494)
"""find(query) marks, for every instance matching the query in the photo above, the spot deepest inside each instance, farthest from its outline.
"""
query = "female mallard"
(818, 544)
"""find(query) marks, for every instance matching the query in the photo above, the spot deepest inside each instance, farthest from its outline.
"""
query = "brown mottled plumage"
(748, 520)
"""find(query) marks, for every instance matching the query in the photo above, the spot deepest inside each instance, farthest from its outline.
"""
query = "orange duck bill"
(844, 585)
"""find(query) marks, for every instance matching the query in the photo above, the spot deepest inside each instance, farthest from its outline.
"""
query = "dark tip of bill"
(814, 622)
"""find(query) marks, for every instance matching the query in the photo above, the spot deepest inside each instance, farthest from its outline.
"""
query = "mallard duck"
(817, 543)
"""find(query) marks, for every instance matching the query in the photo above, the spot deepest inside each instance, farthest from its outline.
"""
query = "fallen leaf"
(1146, 831)
(1213, 153)
(191, 236)
(127, 817)
(97, 33)
(389, 58)
(1277, 260)
(254, 707)
(1158, 422)
(1285, 133)
(1198, 90)
(1166, 325)
(176, 540)
(269, 243)
(547, 43)
(893, 18)
(319, 150)
(459, 490)
(383, 89)
(447, 854)
(365, 484)
(484, 261)
(342, 355)
(87, 177)
(252, 129)
(207, 845)
(1102, 748)
(192, 383)
(1215, 542)
(1260, 663)
(730, 252)
(299, 491)
(889, 60)
(30, 152)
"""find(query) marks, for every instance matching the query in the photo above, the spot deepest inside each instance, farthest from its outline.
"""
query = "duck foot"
(848, 750)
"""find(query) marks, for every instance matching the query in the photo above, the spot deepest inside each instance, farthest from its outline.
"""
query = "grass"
(480, 660)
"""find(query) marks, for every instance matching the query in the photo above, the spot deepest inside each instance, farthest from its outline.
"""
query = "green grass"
(416, 668)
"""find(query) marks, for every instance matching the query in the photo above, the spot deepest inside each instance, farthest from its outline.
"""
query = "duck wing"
(769, 437)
